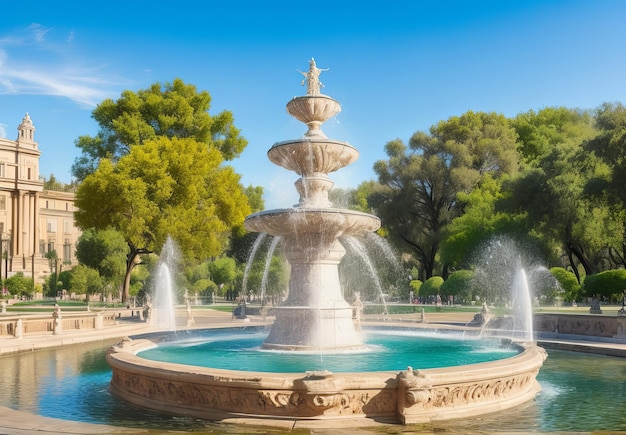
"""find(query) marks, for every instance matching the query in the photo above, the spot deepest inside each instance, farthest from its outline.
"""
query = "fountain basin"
(312, 155)
(313, 108)
(294, 222)
(408, 396)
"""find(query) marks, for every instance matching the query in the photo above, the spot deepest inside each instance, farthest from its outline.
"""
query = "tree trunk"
(132, 260)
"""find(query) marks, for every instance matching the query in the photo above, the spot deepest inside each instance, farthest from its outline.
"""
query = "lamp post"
(4, 253)
(1, 256)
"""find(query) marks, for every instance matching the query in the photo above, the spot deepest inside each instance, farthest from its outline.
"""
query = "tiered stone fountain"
(315, 315)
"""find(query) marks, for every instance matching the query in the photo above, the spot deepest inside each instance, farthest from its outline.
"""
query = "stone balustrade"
(18, 325)
(581, 324)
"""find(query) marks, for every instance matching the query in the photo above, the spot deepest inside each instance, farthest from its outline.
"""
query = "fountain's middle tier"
(295, 222)
(312, 155)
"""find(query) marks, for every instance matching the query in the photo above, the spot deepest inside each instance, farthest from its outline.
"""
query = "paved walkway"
(18, 423)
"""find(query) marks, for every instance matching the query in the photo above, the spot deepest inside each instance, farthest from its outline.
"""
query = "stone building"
(33, 221)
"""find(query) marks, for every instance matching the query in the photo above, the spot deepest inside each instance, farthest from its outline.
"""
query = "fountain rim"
(142, 342)
(410, 396)
(308, 97)
(311, 210)
(311, 139)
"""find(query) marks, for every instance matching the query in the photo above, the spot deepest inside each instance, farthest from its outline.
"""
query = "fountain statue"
(315, 320)
(315, 316)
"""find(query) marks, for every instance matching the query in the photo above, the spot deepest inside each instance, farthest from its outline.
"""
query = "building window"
(67, 250)
(30, 174)
(3, 202)
(51, 226)
(67, 226)
(50, 245)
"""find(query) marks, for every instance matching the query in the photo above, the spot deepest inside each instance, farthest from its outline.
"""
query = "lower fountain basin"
(296, 221)
(408, 396)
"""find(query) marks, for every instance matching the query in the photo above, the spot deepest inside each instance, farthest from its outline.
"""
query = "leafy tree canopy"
(421, 182)
(166, 187)
(104, 251)
(163, 110)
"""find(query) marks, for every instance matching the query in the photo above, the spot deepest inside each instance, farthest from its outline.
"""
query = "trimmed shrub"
(431, 286)
(609, 285)
(568, 282)
(416, 286)
(460, 285)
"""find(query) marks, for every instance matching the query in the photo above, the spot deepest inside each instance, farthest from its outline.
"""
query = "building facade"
(33, 221)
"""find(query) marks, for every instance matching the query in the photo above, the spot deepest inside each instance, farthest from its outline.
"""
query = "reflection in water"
(579, 393)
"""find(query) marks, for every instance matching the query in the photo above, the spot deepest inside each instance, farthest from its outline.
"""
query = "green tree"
(609, 185)
(422, 181)
(163, 110)
(223, 271)
(480, 221)
(105, 251)
(55, 266)
(552, 195)
(165, 187)
(20, 285)
(85, 280)
(51, 183)
(255, 198)
(539, 132)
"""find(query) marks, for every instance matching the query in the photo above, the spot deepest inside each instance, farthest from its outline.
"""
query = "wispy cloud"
(52, 72)
(38, 31)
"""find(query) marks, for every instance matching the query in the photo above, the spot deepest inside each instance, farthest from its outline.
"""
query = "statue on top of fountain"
(311, 77)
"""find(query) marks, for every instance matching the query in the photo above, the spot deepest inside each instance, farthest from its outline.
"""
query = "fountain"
(315, 318)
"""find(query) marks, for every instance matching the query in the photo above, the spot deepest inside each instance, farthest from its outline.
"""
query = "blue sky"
(396, 67)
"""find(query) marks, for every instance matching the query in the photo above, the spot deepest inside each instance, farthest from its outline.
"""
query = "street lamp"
(6, 239)
(4, 253)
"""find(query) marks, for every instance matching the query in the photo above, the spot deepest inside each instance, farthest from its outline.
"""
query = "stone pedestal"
(315, 316)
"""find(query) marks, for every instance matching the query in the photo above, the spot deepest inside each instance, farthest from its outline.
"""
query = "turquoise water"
(386, 349)
(580, 392)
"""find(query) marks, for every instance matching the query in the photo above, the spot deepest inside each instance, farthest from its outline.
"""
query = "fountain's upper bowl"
(313, 108)
(294, 221)
(311, 155)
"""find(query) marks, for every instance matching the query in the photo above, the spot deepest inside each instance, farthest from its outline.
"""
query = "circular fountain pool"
(395, 378)
(386, 349)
